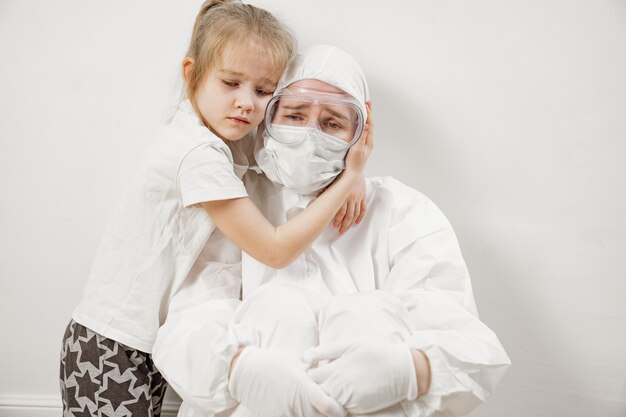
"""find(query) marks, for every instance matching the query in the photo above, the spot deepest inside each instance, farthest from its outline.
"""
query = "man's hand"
(274, 383)
(365, 376)
(353, 208)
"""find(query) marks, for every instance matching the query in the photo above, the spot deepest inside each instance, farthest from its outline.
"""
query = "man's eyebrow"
(295, 106)
(336, 114)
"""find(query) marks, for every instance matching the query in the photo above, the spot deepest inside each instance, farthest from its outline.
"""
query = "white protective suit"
(404, 248)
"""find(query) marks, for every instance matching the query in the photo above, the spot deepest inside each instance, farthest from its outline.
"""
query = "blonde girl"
(185, 199)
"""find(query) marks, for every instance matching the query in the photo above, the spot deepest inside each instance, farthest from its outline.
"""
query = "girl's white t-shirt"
(159, 230)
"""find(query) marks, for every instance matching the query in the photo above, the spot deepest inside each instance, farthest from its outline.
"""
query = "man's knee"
(371, 314)
(284, 316)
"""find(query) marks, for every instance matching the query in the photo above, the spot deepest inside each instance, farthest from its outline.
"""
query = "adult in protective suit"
(378, 321)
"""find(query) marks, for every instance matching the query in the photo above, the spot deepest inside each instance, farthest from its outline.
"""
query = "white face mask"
(301, 158)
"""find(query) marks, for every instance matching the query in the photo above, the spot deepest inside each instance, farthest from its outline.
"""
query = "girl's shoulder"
(185, 133)
(188, 127)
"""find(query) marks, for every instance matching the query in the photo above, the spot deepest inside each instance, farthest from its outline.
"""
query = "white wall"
(508, 114)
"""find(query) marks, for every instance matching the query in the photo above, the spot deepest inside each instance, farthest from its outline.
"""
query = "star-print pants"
(101, 377)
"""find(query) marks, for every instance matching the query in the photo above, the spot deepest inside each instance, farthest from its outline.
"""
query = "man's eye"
(334, 125)
(230, 83)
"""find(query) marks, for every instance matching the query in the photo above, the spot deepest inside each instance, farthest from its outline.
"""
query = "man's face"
(315, 104)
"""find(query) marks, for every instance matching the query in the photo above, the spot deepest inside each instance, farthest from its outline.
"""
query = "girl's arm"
(243, 223)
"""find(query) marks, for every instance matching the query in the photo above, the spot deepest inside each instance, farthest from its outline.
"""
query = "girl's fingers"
(347, 220)
(340, 215)
(362, 211)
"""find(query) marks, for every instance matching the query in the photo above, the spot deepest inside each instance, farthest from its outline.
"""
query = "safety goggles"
(337, 115)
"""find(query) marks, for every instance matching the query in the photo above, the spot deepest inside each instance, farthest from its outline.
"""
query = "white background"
(510, 115)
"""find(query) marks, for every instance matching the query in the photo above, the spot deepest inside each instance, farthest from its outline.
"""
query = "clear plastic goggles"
(337, 115)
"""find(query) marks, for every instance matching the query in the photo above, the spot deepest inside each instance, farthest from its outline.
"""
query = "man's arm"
(428, 274)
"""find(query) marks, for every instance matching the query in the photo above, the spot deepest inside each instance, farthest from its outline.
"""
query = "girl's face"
(233, 96)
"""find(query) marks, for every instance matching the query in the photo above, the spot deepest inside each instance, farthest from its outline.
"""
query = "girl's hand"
(360, 151)
(353, 209)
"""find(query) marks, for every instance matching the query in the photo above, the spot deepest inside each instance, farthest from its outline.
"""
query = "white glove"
(274, 383)
(365, 376)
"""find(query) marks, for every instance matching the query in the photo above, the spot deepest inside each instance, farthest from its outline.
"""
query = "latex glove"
(365, 376)
(274, 383)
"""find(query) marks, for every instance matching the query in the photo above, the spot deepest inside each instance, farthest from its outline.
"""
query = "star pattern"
(121, 359)
(139, 408)
(157, 401)
(82, 413)
(140, 394)
(79, 330)
(157, 380)
(71, 363)
(139, 358)
(106, 368)
(140, 377)
(86, 387)
(158, 386)
(90, 352)
(108, 343)
(117, 392)
(70, 397)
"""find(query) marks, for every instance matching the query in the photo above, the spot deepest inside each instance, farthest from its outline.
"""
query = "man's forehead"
(317, 85)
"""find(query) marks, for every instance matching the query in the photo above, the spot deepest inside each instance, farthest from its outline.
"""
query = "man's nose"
(313, 117)
(313, 122)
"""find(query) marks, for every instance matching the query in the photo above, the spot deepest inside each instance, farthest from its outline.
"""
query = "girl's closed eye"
(264, 92)
(230, 83)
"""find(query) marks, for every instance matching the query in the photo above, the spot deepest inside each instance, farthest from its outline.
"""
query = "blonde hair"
(224, 23)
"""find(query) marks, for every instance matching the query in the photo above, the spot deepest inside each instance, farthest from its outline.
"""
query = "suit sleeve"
(429, 275)
(196, 344)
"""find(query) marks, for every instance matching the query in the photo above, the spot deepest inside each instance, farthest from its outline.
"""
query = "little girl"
(187, 185)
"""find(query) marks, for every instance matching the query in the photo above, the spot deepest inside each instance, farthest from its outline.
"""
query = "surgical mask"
(302, 159)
